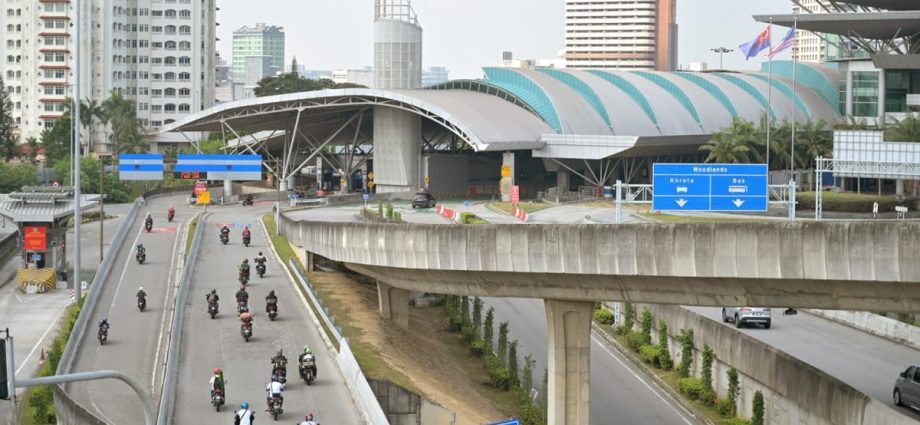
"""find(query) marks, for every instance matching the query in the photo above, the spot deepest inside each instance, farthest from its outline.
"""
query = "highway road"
(136, 342)
(620, 394)
(864, 361)
(208, 343)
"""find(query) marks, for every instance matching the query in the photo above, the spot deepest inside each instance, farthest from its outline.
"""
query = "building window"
(170, 13)
(185, 61)
(185, 92)
(185, 14)
(185, 29)
(185, 76)
(185, 107)
(55, 7)
(898, 84)
(865, 93)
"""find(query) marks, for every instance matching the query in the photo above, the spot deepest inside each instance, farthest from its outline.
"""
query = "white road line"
(39, 343)
(171, 280)
(639, 378)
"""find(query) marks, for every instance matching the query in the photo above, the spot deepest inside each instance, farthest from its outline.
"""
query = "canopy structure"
(867, 25)
(43, 204)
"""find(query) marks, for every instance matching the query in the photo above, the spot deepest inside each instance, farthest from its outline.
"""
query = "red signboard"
(201, 187)
(515, 194)
(35, 239)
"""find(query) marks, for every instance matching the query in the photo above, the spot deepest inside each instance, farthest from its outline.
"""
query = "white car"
(741, 316)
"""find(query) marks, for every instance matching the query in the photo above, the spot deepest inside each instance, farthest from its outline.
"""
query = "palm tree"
(905, 130)
(725, 149)
(126, 134)
(814, 140)
(90, 111)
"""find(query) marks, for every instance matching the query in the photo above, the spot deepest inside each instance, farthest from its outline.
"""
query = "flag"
(788, 41)
(757, 45)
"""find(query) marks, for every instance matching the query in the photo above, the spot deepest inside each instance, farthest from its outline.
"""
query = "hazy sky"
(465, 35)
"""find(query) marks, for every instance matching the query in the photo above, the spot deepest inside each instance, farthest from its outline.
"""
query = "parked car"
(907, 388)
(423, 199)
(741, 316)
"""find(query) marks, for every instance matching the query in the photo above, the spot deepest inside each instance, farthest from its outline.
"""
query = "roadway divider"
(357, 384)
(448, 213)
(171, 374)
(68, 411)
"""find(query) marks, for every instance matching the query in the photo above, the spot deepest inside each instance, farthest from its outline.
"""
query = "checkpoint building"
(553, 128)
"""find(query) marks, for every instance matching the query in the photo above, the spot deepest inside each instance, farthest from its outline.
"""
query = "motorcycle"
(148, 225)
(140, 257)
(141, 303)
(212, 309)
(276, 409)
(272, 309)
(306, 371)
(246, 239)
(281, 373)
(103, 335)
(225, 238)
(217, 399)
(170, 216)
(246, 331)
(247, 202)
(240, 305)
(244, 276)
(260, 269)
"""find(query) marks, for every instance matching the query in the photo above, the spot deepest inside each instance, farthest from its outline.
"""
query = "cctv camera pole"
(77, 198)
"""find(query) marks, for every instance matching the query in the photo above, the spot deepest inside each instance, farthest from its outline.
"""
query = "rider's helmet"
(275, 378)
(260, 253)
(309, 417)
(272, 292)
(244, 405)
(214, 291)
(243, 309)
(140, 288)
(245, 261)
(242, 287)
(140, 246)
(307, 350)
(217, 371)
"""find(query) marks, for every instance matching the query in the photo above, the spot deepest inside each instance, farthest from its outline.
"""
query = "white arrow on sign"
(681, 202)
(738, 202)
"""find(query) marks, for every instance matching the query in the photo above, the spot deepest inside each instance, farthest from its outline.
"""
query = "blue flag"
(757, 45)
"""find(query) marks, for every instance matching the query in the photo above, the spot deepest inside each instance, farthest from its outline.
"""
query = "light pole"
(721, 51)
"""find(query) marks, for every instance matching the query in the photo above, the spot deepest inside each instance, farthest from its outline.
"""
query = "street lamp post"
(721, 51)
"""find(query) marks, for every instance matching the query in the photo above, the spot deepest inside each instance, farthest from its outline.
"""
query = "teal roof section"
(674, 91)
(786, 90)
(528, 91)
(749, 89)
(710, 88)
(582, 89)
(808, 76)
(631, 90)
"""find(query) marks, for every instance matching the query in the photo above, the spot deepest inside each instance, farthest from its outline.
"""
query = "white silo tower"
(397, 45)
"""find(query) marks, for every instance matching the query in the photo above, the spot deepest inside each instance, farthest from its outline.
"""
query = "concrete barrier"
(72, 412)
(794, 391)
(874, 324)
(9, 244)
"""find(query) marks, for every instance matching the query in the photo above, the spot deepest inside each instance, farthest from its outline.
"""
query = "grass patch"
(192, 226)
(846, 196)
(853, 202)
(88, 217)
(286, 252)
(528, 207)
(670, 218)
(38, 402)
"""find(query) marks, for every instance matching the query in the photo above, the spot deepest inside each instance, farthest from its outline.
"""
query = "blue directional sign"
(514, 421)
(710, 187)
(140, 166)
(220, 167)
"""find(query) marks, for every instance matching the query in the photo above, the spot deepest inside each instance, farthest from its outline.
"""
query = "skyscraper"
(158, 54)
(810, 46)
(260, 40)
(624, 34)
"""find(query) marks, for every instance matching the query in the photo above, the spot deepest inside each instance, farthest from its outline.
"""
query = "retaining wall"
(795, 393)
(404, 407)
(874, 324)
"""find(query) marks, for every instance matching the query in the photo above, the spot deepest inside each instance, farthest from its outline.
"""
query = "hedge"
(691, 387)
(885, 204)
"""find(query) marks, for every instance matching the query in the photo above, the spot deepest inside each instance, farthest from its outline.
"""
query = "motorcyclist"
(308, 420)
(217, 383)
(141, 295)
(244, 416)
(307, 356)
(171, 212)
(141, 249)
(212, 297)
(274, 389)
(248, 199)
(104, 326)
(242, 297)
(148, 221)
(279, 364)
(259, 259)
(245, 316)
(244, 267)
(246, 231)
(225, 231)
(271, 301)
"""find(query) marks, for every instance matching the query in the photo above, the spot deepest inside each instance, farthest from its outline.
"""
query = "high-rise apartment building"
(158, 53)
(260, 40)
(810, 46)
(622, 34)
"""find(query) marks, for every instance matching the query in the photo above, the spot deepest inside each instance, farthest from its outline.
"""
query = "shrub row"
(470, 218)
(41, 398)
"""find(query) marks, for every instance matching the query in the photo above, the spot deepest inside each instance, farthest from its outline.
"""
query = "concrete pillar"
(569, 340)
(899, 187)
(310, 260)
(228, 188)
(563, 178)
(397, 150)
(394, 304)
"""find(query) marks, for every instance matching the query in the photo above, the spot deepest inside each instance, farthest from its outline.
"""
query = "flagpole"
(770, 102)
(795, 62)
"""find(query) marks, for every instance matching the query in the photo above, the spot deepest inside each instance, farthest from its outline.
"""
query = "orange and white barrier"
(519, 214)
(448, 213)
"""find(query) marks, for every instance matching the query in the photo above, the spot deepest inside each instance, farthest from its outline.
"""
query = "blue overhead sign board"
(508, 422)
(710, 187)
(220, 167)
(140, 166)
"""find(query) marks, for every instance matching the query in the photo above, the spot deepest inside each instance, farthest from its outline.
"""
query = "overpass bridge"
(823, 265)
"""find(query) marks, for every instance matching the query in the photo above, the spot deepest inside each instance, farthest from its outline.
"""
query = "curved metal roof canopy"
(869, 25)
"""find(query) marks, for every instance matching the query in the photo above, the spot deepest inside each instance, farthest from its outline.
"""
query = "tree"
(294, 65)
(115, 190)
(464, 311)
(738, 143)
(706, 374)
(733, 391)
(647, 322)
(7, 125)
(503, 341)
(513, 363)
(32, 143)
(14, 177)
(813, 139)
(90, 112)
(905, 130)
(477, 317)
(757, 419)
(664, 359)
(293, 82)
(686, 353)
(127, 135)
(488, 330)
(527, 373)
(56, 140)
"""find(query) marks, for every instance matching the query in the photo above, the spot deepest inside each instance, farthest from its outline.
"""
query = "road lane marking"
(644, 382)
(40, 340)
(163, 331)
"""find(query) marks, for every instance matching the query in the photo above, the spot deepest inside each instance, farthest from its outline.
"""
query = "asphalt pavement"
(208, 344)
(137, 341)
(620, 393)
(864, 361)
